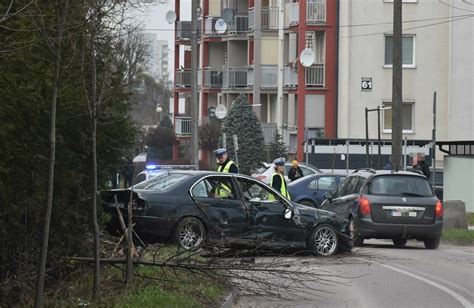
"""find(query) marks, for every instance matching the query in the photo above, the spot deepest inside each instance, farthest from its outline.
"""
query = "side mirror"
(288, 214)
(328, 195)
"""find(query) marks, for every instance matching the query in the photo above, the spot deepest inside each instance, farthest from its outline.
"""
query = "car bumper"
(369, 229)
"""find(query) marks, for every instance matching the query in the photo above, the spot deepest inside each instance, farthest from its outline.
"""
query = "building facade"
(157, 51)
(258, 55)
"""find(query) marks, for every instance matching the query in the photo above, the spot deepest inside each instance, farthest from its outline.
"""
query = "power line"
(457, 8)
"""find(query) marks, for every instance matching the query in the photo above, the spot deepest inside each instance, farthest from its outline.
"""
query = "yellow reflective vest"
(283, 189)
(226, 167)
(224, 191)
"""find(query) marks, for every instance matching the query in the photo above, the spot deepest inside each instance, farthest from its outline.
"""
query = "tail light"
(439, 209)
(364, 206)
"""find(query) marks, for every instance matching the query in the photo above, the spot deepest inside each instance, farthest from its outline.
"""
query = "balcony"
(237, 77)
(182, 126)
(209, 29)
(268, 130)
(183, 30)
(316, 11)
(290, 77)
(269, 76)
(269, 18)
(212, 79)
(239, 25)
(314, 76)
(182, 78)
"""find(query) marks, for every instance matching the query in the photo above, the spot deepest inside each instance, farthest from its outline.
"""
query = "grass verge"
(458, 237)
(151, 287)
(470, 219)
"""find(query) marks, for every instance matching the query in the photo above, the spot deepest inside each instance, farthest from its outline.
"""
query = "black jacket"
(295, 174)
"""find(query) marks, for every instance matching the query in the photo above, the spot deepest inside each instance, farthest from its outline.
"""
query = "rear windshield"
(162, 182)
(399, 185)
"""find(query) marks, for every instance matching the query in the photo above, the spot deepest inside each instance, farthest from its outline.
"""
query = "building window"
(408, 51)
(407, 118)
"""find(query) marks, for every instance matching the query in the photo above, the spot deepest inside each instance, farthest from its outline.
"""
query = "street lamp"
(378, 133)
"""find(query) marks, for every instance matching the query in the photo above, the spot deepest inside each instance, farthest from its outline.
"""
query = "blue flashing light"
(151, 167)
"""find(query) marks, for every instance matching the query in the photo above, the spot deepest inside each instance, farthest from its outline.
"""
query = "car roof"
(371, 173)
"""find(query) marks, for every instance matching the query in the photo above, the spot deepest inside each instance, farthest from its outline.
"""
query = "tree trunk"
(129, 266)
(49, 199)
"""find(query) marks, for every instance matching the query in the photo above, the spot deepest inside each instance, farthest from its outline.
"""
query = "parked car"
(265, 172)
(310, 190)
(196, 208)
(388, 205)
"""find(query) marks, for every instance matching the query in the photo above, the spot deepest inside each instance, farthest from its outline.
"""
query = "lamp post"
(367, 110)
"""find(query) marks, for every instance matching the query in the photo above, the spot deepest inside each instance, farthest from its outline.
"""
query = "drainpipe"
(336, 99)
(281, 37)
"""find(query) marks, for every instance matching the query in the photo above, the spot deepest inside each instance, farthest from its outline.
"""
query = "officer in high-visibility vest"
(278, 179)
(226, 165)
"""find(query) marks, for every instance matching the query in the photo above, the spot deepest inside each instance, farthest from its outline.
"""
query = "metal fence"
(269, 130)
(290, 77)
(182, 78)
(212, 79)
(314, 76)
(182, 126)
(294, 13)
(237, 77)
(316, 11)
(269, 76)
(239, 25)
(269, 18)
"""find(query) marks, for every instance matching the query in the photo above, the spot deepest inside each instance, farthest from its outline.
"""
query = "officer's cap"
(279, 161)
(220, 152)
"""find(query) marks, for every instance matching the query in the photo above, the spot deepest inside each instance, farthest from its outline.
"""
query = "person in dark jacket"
(226, 165)
(295, 171)
(424, 167)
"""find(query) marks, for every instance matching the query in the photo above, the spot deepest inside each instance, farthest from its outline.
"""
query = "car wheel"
(432, 243)
(324, 241)
(190, 233)
(399, 242)
(357, 241)
(308, 203)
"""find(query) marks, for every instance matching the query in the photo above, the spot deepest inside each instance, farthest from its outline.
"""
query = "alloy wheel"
(191, 235)
(325, 241)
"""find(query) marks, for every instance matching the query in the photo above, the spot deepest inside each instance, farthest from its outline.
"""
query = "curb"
(228, 301)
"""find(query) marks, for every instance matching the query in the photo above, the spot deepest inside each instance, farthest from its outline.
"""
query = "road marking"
(461, 299)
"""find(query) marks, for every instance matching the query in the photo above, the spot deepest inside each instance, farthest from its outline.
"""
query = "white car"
(265, 172)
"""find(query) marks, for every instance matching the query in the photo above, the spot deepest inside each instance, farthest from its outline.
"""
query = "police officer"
(225, 164)
(278, 179)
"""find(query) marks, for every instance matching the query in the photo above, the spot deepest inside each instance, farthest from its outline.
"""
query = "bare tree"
(55, 45)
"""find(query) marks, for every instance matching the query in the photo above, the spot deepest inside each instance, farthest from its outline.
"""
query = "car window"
(140, 178)
(216, 188)
(287, 169)
(326, 183)
(398, 185)
(254, 191)
(313, 184)
(163, 182)
(353, 187)
(339, 191)
(306, 171)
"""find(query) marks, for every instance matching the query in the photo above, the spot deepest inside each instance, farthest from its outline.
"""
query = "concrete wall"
(237, 53)
(459, 180)
(216, 56)
(269, 50)
(461, 111)
(362, 55)
(214, 8)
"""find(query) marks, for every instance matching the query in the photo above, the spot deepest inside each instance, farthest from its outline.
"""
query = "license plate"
(403, 214)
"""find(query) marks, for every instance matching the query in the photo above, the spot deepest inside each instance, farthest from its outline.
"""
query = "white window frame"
(414, 52)
(404, 131)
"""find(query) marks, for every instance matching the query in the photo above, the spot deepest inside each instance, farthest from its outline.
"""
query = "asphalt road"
(380, 275)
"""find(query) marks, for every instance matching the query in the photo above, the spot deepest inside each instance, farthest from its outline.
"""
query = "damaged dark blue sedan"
(196, 208)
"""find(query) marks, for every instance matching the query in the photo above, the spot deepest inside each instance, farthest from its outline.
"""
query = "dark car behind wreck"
(195, 208)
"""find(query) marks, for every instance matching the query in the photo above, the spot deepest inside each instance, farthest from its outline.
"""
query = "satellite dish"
(220, 26)
(227, 15)
(307, 57)
(199, 11)
(221, 111)
(170, 17)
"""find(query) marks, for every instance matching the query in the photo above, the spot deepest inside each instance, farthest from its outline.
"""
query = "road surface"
(390, 277)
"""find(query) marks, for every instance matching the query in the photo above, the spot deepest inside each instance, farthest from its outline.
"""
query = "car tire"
(399, 242)
(357, 241)
(308, 203)
(432, 243)
(324, 241)
(190, 233)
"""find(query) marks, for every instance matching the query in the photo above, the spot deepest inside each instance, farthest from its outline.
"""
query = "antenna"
(227, 15)
(220, 26)
(307, 57)
(170, 17)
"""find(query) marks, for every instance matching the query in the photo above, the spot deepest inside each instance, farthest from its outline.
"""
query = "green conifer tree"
(277, 147)
(242, 121)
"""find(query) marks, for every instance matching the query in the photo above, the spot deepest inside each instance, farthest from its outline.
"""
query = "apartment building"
(257, 56)
(157, 51)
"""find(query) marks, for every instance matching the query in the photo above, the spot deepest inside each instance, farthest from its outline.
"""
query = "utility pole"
(194, 86)
(397, 86)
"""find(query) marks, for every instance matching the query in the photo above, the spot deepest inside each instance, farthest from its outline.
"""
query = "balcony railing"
(316, 11)
(315, 75)
(239, 25)
(182, 78)
(212, 79)
(209, 29)
(269, 18)
(290, 77)
(269, 76)
(294, 13)
(183, 30)
(237, 77)
(268, 130)
(182, 126)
